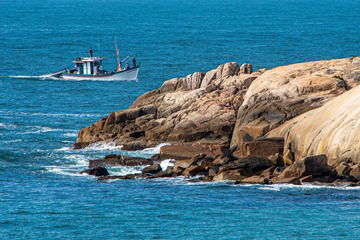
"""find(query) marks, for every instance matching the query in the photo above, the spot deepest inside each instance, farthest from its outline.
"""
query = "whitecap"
(13, 141)
(165, 164)
(63, 171)
(5, 125)
(41, 129)
(71, 134)
(63, 149)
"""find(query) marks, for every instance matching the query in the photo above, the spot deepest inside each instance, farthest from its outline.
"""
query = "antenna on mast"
(119, 67)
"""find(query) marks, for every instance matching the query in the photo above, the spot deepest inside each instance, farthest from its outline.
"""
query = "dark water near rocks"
(42, 197)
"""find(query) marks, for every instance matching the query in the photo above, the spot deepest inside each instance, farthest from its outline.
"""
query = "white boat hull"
(126, 75)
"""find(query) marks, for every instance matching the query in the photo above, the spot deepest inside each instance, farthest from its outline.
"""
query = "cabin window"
(92, 68)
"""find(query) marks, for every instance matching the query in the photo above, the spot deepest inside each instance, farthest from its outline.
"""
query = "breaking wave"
(70, 165)
(77, 160)
(148, 152)
(167, 163)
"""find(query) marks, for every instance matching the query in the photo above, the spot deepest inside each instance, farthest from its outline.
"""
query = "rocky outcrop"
(200, 107)
(333, 129)
(229, 103)
(290, 124)
(285, 92)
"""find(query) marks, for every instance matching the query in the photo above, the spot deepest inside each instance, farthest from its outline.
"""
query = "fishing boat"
(90, 68)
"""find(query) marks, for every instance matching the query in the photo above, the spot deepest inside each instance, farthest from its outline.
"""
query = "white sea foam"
(124, 170)
(99, 146)
(13, 141)
(71, 134)
(70, 165)
(77, 160)
(102, 146)
(63, 149)
(63, 171)
(167, 163)
(149, 151)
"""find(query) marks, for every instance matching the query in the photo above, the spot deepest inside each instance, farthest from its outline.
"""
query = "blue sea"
(41, 194)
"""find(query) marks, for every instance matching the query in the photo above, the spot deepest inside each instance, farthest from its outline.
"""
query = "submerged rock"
(126, 177)
(97, 171)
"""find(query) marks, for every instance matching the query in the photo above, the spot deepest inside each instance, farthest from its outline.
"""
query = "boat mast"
(119, 67)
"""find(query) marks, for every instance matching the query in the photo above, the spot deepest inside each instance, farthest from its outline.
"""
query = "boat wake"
(46, 77)
(41, 77)
(23, 76)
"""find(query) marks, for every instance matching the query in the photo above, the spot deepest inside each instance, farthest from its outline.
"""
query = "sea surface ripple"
(42, 196)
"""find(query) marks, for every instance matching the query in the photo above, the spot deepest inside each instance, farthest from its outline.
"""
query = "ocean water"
(41, 194)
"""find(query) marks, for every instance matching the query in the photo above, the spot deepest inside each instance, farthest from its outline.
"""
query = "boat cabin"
(88, 65)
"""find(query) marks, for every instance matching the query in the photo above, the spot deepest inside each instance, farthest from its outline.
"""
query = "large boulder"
(230, 175)
(316, 166)
(332, 130)
(187, 151)
(183, 164)
(285, 92)
(355, 171)
(194, 170)
(255, 180)
(251, 163)
(155, 168)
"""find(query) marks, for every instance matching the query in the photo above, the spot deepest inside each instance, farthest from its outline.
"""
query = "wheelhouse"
(88, 65)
